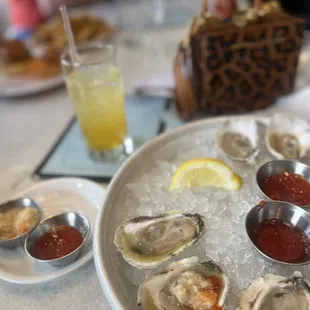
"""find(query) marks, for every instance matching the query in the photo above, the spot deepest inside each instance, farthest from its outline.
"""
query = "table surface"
(28, 128)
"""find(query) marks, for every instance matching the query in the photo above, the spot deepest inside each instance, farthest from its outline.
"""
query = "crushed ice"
(225, 240)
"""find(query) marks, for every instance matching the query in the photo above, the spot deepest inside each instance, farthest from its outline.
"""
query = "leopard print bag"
(237, 66)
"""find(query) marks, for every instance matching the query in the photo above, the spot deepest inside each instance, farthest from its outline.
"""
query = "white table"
(29, 126)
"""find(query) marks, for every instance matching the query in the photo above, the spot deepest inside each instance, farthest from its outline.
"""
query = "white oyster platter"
(140, 191)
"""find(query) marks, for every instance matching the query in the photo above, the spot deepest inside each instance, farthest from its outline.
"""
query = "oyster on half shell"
(288, 137)
(276, 293)
(238, 139)
(185, 285)
(147, 241)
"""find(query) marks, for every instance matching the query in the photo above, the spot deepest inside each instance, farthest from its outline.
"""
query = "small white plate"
(54, 197)
(18, 87)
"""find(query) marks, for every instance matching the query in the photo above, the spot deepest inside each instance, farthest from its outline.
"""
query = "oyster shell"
(147, 241)
(186, 284)
(238, 139)
(276, 293)
(288, 137)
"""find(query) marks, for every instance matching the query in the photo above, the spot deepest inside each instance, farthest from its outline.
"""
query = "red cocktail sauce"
(58, 242)
(289, 187)
(282, 241)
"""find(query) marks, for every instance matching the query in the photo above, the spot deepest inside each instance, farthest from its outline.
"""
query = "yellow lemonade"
(98, 99)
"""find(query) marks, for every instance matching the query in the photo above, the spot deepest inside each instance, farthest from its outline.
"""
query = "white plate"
(18, 87)
(55, 196)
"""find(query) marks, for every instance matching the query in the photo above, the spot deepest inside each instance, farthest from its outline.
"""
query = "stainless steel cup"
(19, 203)
(69, 219)
(284, 211)
(276, 167)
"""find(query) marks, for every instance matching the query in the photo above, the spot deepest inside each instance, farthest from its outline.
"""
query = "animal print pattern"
(241, 69)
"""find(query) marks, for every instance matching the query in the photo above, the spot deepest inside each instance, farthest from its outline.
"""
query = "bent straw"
(72, 49)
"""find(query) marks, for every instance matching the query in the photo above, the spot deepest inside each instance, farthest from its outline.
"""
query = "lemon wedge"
(205, 172)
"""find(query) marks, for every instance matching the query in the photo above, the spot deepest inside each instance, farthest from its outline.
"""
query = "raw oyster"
(288, 137)
(147, 241)
(277, 293)
(186, 284)
(239, 139)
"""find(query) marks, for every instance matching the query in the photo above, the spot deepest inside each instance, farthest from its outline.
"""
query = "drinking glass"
(95, 88)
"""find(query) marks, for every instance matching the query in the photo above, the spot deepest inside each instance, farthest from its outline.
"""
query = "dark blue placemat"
(147, 117)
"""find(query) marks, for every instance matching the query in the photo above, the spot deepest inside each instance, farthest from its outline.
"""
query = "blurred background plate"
(18, 87)
(50, 38)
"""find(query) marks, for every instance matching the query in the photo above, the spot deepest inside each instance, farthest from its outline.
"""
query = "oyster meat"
(276, 293)
(185, 285)
(238, 139)
(147, 241)
(288, 137)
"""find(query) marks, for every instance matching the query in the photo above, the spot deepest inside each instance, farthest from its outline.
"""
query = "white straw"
(67, 26)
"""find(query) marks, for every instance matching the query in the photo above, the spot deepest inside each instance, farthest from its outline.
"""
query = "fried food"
(38, 68)
(85, 27)
(16, 51)
(16, 69)
(33, 69)
(51, 55)
(15, 56)
(19, 63)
